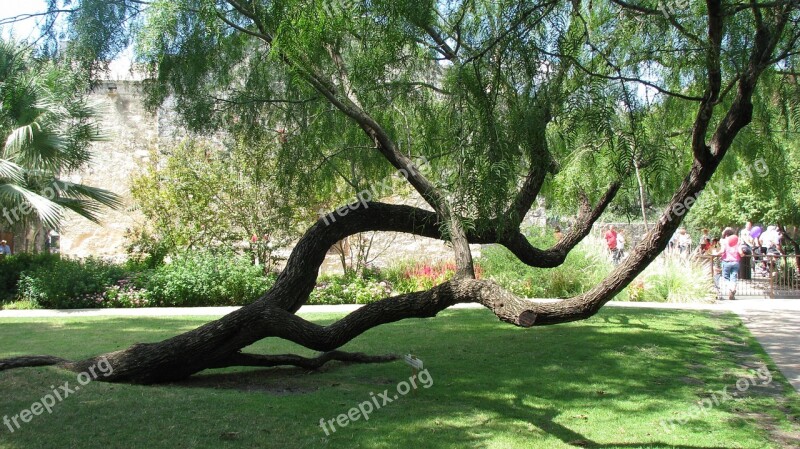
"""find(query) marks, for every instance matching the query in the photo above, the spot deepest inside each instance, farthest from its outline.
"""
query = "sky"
(26, 28)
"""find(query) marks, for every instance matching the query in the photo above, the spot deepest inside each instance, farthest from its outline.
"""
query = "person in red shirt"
(611, 241)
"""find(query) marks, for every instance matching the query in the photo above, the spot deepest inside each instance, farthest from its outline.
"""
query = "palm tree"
(47, 127)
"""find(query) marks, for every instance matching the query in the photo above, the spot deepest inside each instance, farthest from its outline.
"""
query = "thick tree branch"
(30, 360)
(244, 359)
(705, 111)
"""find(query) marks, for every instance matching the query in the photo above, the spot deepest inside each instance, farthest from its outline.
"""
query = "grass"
(21, 304)
(605, 383)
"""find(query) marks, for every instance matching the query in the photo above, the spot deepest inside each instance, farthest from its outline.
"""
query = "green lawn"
(607, 382)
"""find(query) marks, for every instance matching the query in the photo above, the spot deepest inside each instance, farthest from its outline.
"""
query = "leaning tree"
(504, 99)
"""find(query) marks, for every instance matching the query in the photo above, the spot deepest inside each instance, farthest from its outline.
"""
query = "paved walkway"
(775, 323)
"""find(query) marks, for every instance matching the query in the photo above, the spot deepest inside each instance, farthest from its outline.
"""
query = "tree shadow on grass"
(489, 378)
(623, 356)
(546, 418)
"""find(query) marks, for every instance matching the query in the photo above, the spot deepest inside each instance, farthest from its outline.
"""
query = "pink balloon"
(733, 240)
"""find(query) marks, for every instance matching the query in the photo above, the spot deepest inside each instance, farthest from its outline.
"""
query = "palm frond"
(46, 210)
(11, 171)
(86, 208)
(18, 139)
(68, 189)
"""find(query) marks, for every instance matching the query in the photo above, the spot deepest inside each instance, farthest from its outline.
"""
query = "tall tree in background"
(198, 196)
(504, 98)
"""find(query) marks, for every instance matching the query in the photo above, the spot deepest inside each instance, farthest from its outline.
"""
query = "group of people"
(615, 240)
(737, 252)
(752, 238)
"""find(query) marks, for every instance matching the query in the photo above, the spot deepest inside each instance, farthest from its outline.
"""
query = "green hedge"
(201, 278)
(198, 278)
(69, 284)
(205, 278)
(11, 267)
(348, 289)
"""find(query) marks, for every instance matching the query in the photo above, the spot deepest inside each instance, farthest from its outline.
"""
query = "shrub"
(11, 267)
(584, 267)
(674, 279)
(69, 284)
(348, 289)
(125, 294)
(202, 278)
(412, 275)
(197, 278)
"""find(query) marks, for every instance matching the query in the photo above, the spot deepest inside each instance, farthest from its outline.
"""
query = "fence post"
(770, 272)
(711, 265)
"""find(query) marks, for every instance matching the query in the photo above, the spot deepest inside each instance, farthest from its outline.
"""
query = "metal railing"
(769, 276)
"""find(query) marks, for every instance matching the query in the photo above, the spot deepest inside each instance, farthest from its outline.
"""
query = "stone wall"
(633, 231)
(132, 134)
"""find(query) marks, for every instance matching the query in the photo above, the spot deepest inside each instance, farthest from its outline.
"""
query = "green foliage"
(69, 284)
(348, 289)
(124, 294)
(12, 267)
(200, 196)
(759, 183)
(197, 278)
(46, 126)
(584, 267)
(202, 278)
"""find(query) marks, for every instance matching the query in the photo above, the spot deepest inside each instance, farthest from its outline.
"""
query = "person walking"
(620, 245)
(684, 242)
(771, 244)
(747, 243)
(611, 242)
(731, 255)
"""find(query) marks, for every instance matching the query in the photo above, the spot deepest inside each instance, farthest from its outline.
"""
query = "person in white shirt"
(684, 242)
(4, 248)
(771, 240)
(745, 234)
